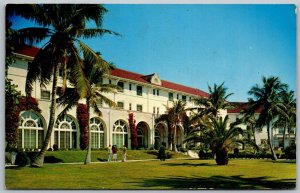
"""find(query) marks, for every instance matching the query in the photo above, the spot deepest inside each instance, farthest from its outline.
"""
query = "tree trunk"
(274, 157)
(39, 159)
(253, 132)
(285, 127)
(174, 148)
(89, 150)
(222, 157)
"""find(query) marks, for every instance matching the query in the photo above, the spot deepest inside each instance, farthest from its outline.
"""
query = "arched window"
(140, 136)
(120, 135)
(97, 132)
(157, 135)
(31, 130)
(65, 132)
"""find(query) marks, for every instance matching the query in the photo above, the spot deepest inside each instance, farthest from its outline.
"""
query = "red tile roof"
(165, 84)
(32, 51)
(239, 106)
(28, 51)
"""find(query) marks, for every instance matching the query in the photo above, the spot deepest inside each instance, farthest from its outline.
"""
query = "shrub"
(22, 159)
(236, 151)
(182, 149)
(55, 147)
(290, 152)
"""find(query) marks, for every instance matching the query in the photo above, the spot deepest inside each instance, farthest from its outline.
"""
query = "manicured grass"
(169, 174)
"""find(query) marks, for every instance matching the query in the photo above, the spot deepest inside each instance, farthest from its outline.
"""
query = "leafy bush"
(22, 159)
(290, 152)
(236, 150)
(182, 149)
(205, 154)
(55, 147)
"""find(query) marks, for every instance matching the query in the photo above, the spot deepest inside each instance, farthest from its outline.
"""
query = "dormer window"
(154, 79)
(121, 86)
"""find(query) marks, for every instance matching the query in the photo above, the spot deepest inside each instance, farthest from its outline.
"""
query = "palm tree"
(287, 122)
(174, 116)
(268, 97)
(216, 101)
(92, 83)
(220, 136)
(63, 25)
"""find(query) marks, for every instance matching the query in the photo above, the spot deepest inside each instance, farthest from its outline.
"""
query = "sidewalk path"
(80, 163)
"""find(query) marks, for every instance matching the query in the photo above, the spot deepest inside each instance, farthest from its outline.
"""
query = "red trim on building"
(28, 51)
(239, 106)
(32, 51)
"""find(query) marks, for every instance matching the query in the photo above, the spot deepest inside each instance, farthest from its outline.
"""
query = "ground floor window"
(97, 133)
(65, 132)
(140, 136)
(31, 130)
(120, 135)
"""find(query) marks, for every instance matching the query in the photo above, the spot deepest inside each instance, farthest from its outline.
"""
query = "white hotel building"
(146, 96)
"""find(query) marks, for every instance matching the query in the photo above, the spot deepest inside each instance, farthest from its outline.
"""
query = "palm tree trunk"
(89, 150)
(253, 132)
(285, 128)
(274, 157)
(174, 148)
(39, 159)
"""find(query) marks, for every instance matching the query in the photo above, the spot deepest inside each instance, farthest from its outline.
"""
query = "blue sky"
(199, 45)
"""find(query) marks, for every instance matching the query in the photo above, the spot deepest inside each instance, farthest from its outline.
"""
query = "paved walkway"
(99, 162)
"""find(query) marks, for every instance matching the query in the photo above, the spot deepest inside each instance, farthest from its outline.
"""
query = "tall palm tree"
(216, 101)
(221, 137)
(63, 25)
(287, 120)
(92, 82)
(268, 97)
(175, 115)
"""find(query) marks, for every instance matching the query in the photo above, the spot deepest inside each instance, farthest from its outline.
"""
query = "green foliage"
(12, 112)
(290, 152)
(22, 159)
(174, 116)
(267, 99)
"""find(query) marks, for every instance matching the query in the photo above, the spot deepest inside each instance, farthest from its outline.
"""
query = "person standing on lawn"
(109, 151)
(124, 153)
(114, 151)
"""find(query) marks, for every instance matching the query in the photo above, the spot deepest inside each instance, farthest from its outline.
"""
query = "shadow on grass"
(219, 182)
(101, 160)
(189, 164)
(13, 167)
(52, 159)
(280, 161)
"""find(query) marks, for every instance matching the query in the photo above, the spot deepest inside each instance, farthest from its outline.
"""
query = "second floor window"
(130, 106)
(129, 86)
(177, 96)
(153, 91)
(139, 108)
(121, 86)
(157, 92)
(45, 94)
(120, 105)
(183, 98)
(170, 96)
(139, 90)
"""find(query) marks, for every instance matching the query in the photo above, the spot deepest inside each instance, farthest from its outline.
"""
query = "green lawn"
(170, 174)
(101, 155)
